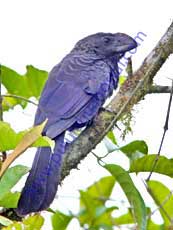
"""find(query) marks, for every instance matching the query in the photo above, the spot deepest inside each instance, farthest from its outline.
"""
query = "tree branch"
(135, 88)
(159, 89)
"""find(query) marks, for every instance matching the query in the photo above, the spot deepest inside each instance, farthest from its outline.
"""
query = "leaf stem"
(4, 154)
(19, 97)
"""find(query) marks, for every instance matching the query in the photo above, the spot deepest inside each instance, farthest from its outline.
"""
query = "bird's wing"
(68, 90)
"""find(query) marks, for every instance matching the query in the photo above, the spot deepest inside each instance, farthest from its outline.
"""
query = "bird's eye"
(106, 40)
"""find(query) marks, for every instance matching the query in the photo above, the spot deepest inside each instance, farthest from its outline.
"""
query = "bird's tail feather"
(41, 185)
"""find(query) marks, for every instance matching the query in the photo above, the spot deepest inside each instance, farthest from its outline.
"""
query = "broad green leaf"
(104, 218)
(92, 201)
(9, 138)
(10, 102)
(131, 192)
(33, 222)
(35, 79)
(28, 139)
(10, 200)
(87, 208)
(152, 226)
(27, 85)
(5, 221)
(60, 220)
(135, 147)
(162, 196)
(133, 150)
(125, 219)
(111, 136)
(145, 164)
(102, 189)
(10, 178)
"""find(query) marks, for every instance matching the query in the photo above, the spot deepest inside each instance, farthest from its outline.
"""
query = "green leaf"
(152, 226)
(104, 218)
(102, 189)
(15, 226)
(10, 200)
(99, 192)
(35, 79)
(131, 192)
(60, 220)
(9, 103)
(5, 221)
(162, 196)
(122, 79)
(125, 219)
(135, 147)
(92, 201)
(10, 178)
(33, 222)
(145, 164)
(111, 136)
(27, 85)
(9, 138)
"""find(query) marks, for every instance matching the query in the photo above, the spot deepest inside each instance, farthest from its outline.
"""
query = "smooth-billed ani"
(75, 91)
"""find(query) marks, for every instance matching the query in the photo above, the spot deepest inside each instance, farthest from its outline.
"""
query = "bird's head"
(106, 44)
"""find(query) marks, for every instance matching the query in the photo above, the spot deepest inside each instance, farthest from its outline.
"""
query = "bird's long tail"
(41, 185)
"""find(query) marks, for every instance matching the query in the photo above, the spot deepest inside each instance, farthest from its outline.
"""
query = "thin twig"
(163, 136)
(19, 97)
(159, 89)
(4, 154)
(129, 68)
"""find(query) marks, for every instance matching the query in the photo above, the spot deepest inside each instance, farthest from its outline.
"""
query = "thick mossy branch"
(135, 88)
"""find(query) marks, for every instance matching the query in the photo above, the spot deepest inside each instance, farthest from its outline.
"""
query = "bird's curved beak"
(124, 43)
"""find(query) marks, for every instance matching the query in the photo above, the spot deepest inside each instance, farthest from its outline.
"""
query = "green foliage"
(28, 85)
(5, 221)
(134, 197)
(125, 219)
(60, 220)
(7, 133)
(152, 226)
(31, 223)
(95, 212)
(10, 178)
(135, 149)
(162, 196)
(111, 136)
(9, 199)
(92, 203)
(145, 164)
